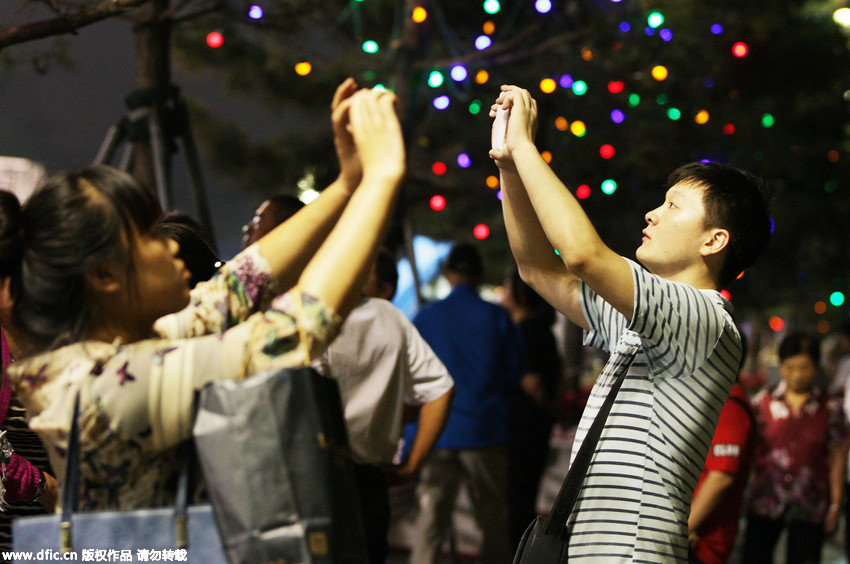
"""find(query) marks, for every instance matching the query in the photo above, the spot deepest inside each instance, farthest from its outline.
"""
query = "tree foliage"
(795, 73)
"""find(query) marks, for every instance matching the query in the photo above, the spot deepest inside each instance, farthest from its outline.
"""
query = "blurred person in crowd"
(532, 405)
(28, 486)
(800, 459)
(382, 366)
(108, 306)
(716, 505)
(482, 348)
(269, 214)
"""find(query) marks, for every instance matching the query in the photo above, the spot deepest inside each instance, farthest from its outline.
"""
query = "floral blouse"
(791, 470)
(136, 400)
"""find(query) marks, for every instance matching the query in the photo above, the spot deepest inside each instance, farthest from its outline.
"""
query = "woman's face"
(161, 279)
(798, 372)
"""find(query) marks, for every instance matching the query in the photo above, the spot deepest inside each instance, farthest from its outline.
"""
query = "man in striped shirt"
(634, 502)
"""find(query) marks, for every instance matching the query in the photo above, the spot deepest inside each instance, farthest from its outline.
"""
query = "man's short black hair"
(464, 259)
(386, 270)
(734, 200)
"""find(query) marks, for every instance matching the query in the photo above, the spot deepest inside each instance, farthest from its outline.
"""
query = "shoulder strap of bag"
(71, 488)
(575, 476)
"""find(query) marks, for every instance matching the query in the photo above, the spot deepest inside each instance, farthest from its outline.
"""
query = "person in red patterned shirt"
(798, 482)
(713, 522)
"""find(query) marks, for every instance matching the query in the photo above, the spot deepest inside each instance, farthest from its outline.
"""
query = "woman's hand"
(377, 134)
(349, 162)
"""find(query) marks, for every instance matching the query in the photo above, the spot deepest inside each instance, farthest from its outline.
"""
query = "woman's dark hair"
(800, 343)
(73, 223)
(199, 256)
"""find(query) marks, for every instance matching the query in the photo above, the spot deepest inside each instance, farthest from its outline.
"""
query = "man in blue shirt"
(482, 349)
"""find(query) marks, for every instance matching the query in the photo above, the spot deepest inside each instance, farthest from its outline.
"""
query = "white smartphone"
(500, 128)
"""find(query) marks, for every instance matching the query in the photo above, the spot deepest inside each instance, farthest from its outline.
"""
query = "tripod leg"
(116, 134)
(161, 176)
(194, 164)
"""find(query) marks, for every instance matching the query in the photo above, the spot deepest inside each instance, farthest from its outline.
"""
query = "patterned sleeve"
(681, 326)
(240, 288)
(838, 431)
(606, 323)
(146, 389)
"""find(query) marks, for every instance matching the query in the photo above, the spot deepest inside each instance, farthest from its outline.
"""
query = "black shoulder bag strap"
(71, 489)
(568, 495)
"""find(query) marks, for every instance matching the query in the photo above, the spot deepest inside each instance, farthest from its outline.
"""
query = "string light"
(481, 231)
(215, 39)
(419, 15)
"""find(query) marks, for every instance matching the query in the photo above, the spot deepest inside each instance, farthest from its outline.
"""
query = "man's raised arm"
(539, 209)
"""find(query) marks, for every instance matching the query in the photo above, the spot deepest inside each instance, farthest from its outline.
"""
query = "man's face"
(262, 222)
(675, 231)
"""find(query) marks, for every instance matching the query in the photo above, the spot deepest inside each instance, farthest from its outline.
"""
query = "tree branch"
(68, 23)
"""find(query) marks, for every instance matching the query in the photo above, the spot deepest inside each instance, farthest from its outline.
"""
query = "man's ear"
(717, 241)
(103, 280)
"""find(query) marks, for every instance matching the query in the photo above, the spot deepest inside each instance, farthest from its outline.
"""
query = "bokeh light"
(482, 76)
(482, 42)
(776, 324)
(543, 6)
(481, 231)
(820, 308)
(659, 72)
(441, 102)
(740, 49)
(579, 87)
(463, 160)
(655, 19)
(617, 116)
(458, 73)
(255, 12)
(435, 79)
(303, 68)
(215, 39)
(492, 182)
(566, 81)
(561, 123)
(701, 117)
(492, 6)
(578, 128)
(583, 192)
(606, 151)
(547, 85)
(370, 47)
(420, 14)
(439, 168)
(437, 202)
(547, 156)
(616, 86)
(608, 186)
(836, 298)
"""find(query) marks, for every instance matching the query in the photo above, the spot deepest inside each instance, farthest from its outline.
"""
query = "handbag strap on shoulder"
(568, 494)
(71, 488)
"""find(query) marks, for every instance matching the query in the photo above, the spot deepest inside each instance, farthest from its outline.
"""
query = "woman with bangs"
(106, 302)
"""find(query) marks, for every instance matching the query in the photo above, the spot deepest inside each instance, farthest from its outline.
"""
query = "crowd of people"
(106, 301)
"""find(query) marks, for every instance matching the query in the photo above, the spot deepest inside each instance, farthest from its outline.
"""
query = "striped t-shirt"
(634, 502)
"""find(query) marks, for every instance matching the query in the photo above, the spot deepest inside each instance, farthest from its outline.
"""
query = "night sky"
(60, 118)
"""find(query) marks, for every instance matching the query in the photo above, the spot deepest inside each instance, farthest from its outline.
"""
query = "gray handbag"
(181, 533)
(274, 451)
